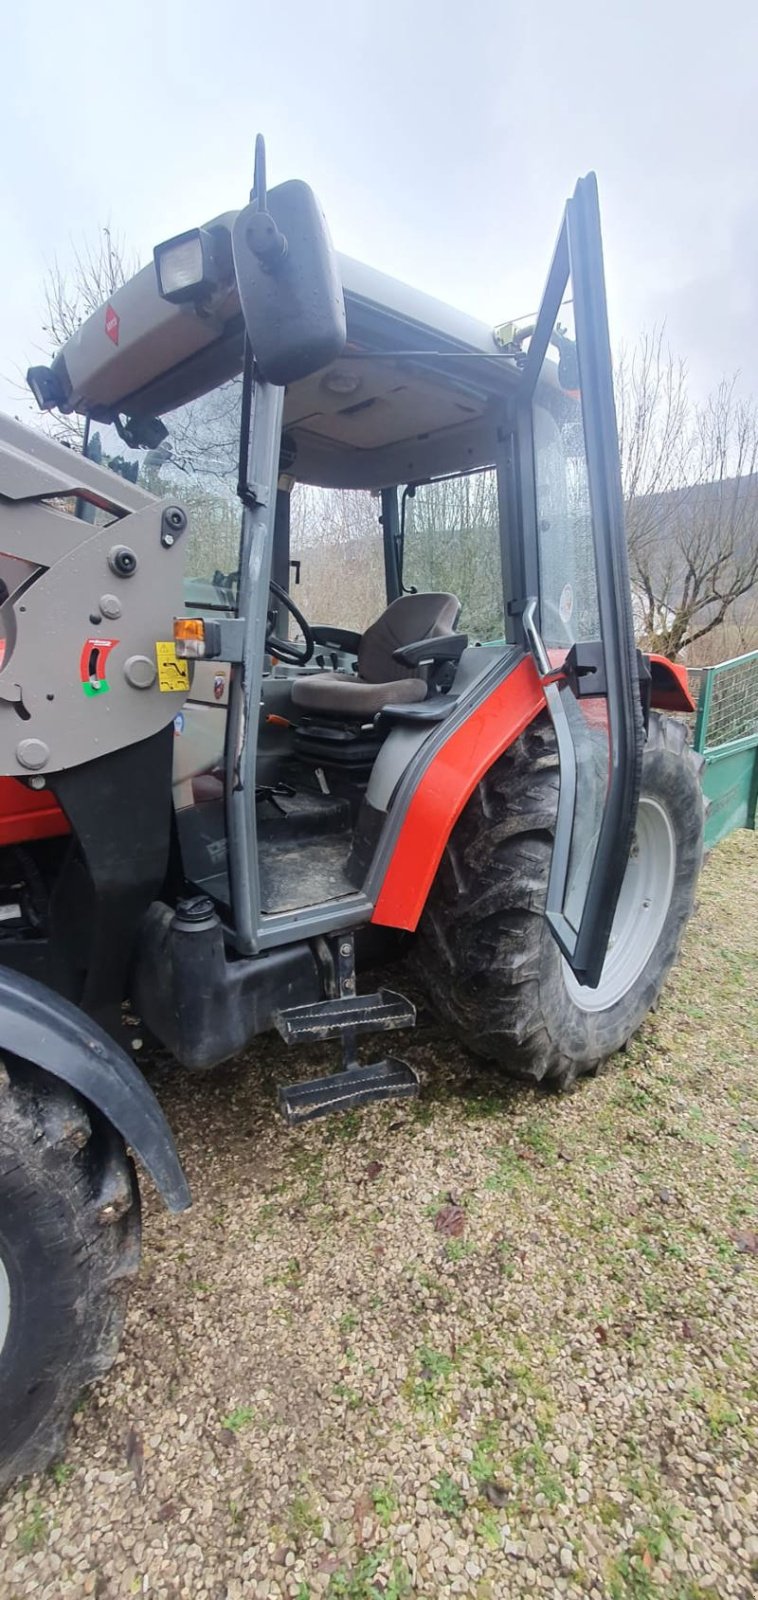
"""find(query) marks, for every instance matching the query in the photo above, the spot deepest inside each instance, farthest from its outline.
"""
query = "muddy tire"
(484, 952)
(69, 1245)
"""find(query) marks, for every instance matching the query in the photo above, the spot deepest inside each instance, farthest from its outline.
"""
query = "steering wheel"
(296, 655)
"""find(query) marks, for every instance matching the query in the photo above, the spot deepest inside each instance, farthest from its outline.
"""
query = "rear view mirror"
(288, 280)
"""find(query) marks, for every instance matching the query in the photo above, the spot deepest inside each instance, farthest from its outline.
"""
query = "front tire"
(484, 952)
(69, 1244)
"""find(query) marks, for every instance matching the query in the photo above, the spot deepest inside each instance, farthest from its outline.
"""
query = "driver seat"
(380, 680)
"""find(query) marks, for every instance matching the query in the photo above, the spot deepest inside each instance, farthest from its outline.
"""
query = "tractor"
(217, 812)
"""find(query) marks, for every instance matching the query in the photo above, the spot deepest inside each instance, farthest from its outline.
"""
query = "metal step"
(343, 1091)
(356, 1013)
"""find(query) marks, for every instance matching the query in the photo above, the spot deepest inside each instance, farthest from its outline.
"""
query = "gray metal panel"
(410, 461)
(241, 739)
(32, 465)
(363, 283)
(153, 337)
(403, 742)
(52, 716)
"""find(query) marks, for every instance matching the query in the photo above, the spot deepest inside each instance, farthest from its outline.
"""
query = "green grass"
(433, 1371)
(384, 1501)
(720, 1414)
(303, 1519)
(448, 1495)
(533, 1467)
(458, 1249)
(33, 1533)
(509, 1171)
(357, 1583)
(537, 1137)
(239, 1418)
(346, 1391)
(490, 1530)
(483, 1465)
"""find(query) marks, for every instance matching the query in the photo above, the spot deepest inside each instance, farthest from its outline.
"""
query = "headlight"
(192, 265)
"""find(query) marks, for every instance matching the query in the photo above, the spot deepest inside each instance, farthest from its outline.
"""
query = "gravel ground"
(492, 1344)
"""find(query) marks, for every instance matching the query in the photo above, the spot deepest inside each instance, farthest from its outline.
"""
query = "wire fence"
(727, 702)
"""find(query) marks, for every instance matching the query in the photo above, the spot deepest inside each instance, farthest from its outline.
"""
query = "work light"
(46, 388)
(191, 265)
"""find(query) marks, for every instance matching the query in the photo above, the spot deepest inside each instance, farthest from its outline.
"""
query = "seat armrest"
(426, 652)
(435, 710)
(341, 639)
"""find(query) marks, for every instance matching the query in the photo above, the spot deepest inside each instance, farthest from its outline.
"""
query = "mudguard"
(40, 1026)
(669, 690)
(448, 781)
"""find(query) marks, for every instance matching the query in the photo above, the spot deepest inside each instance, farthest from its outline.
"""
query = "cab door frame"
(578, 258)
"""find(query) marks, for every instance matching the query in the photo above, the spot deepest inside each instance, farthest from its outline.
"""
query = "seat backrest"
(412, 617)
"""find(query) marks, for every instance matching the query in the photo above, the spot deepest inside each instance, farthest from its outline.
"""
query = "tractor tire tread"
(79, 1183)
(480, 947)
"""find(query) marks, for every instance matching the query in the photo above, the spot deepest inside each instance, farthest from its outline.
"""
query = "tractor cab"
(403, 543)
(385, 600)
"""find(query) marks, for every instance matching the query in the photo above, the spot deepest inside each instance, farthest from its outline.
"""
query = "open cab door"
(578, 622)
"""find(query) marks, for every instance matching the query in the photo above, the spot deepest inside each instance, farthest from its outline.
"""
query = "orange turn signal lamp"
(189, 637)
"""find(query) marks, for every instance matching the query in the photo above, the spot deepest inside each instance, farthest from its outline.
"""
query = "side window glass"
(197, 462)
(336, 536)
(452, 545)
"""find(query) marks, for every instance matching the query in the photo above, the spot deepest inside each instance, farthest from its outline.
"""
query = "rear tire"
(69, 1245)
(484, 952)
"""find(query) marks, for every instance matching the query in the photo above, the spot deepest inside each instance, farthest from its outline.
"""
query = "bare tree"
(72, 293)
(690, 478)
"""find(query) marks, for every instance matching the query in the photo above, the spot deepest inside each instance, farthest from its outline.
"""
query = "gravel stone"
(380, 1382)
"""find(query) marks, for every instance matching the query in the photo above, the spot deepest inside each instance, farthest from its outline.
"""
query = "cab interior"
(352, 690)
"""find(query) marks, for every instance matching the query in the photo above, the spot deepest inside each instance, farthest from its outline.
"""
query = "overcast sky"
(442, 137)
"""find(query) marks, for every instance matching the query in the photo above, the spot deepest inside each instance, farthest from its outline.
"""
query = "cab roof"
(416, 392)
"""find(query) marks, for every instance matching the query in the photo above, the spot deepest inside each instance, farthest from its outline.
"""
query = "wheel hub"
(640, 914)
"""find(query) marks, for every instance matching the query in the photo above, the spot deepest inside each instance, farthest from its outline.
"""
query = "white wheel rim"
(5, 1304)
(640, 914)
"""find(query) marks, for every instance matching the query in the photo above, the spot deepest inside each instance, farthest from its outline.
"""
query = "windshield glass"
(198, 463)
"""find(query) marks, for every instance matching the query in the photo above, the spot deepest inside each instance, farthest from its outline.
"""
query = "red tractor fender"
(459, 766)
(446, 785)
(27, 814)
(669, 690)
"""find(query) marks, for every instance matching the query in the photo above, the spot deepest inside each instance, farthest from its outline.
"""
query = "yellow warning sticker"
(173, 674)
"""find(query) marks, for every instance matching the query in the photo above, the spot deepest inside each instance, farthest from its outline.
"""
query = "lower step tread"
(343, 1091)
(327, 1019)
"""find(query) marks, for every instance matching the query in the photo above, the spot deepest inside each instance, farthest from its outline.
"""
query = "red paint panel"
(669, 690)
(447, 784)
(27, 814)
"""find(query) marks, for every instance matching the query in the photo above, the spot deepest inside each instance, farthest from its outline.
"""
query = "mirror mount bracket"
(264, 239)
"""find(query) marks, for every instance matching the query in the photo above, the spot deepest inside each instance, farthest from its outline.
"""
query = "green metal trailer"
(726, 734)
